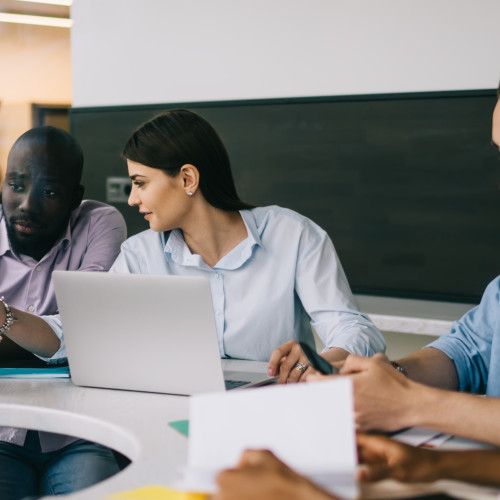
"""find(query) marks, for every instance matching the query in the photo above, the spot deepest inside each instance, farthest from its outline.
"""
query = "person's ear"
(190, 178)
(77, 196)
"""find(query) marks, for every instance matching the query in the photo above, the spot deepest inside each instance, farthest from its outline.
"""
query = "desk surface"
(135, 424)
(423, 317)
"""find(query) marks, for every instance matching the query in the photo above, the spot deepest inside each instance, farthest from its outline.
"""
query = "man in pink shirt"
(45, 225)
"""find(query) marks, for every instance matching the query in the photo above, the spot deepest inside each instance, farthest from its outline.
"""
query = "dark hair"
(178, 137)
(59, 144)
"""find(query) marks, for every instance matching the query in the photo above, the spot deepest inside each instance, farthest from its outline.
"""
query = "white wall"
(34, 68)
(154, 51)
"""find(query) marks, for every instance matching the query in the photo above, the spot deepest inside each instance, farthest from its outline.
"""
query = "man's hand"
(384, 458)
(260, 475)
(384, 399)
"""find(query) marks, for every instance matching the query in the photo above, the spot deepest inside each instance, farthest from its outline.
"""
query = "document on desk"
(417, 436)
(308, 426)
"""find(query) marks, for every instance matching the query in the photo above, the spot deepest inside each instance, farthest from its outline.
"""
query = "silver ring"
(300, 366)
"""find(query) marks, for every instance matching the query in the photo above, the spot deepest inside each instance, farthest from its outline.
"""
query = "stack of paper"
(308, 426)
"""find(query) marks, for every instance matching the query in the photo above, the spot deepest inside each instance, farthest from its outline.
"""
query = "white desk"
(135, 424)
(422, 317)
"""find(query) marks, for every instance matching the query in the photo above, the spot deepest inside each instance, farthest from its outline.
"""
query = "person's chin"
(25, 243)
(159, 228)
(154, 227)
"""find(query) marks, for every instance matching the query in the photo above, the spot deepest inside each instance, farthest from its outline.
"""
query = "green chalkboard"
(405, 184)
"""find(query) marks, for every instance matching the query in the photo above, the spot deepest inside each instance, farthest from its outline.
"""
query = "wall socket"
(118, 189)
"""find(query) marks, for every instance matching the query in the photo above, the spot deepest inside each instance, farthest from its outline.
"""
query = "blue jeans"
(26, 472)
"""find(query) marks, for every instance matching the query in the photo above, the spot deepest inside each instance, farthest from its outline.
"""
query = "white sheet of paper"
(416, 436)
(308, 426)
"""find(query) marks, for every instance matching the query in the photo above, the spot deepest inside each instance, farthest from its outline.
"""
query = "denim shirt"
(473, 344)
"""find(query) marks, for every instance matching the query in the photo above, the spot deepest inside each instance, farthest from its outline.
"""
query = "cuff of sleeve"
(55, 323)
(361, 341)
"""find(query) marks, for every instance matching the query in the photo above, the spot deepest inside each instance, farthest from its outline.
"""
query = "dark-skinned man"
(45, 225)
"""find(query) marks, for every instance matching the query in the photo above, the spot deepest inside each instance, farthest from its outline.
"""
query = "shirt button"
(217, 275)
(31, 309)
(38, 268)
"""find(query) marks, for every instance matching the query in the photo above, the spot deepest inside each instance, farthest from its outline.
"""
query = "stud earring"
(190, 193)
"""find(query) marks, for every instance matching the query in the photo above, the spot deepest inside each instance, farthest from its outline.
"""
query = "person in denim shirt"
(424, 389)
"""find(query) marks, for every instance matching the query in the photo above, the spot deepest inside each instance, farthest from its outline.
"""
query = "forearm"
(384, 458)
(465, 415)
(474, 466)
(31, 333)
(335, 354)
(432, 367)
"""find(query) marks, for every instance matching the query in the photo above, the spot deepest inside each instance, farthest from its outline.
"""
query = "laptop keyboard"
(232, 384)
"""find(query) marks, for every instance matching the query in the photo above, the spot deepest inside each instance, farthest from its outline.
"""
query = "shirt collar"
(253, 231)
(179, 251)
(65, 239)
(176, 247)
(4, 238)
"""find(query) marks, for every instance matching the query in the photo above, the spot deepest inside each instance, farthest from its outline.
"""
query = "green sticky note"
(181, 426)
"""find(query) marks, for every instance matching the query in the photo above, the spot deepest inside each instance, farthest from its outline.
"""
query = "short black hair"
(59, 142)
(178, 137)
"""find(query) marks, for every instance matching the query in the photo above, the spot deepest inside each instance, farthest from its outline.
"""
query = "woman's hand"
(260, 475)
(289, 363)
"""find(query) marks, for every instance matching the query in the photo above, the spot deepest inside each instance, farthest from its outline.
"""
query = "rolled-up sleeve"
(54, 322)
(326, 296)
(469, 342)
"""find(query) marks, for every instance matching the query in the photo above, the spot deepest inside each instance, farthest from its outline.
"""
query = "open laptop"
(152, 333)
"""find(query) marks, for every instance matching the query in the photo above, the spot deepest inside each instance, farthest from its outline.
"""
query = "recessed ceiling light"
(58, 22)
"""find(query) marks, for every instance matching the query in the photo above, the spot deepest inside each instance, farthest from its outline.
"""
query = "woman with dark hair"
(179, 137)
(269, 268)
